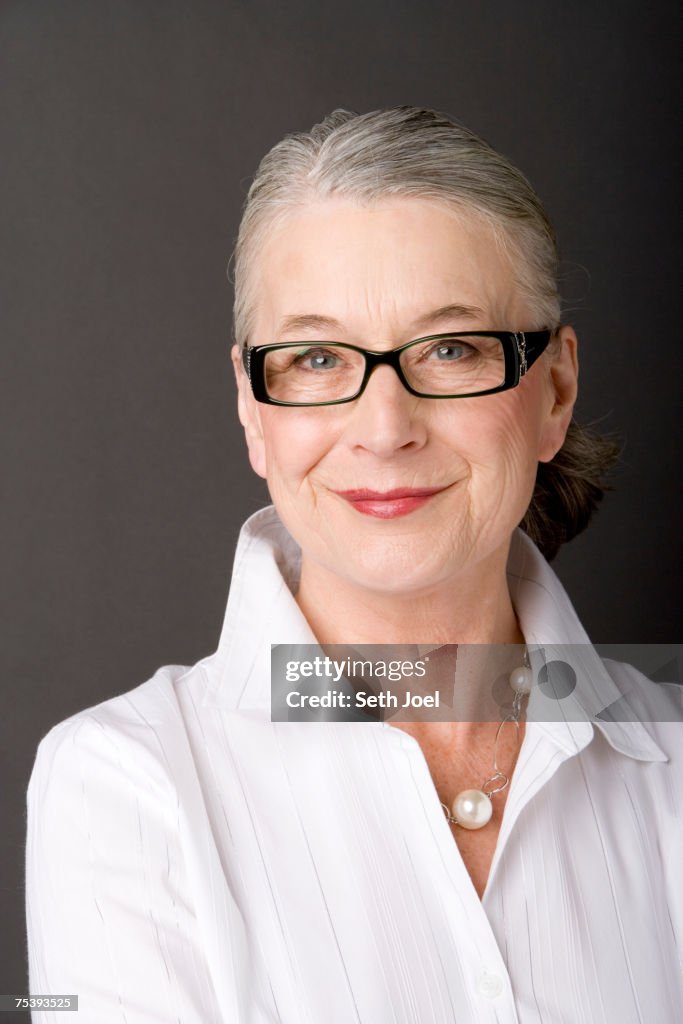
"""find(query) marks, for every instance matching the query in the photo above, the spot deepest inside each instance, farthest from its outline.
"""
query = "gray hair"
(409, 152)
(414, 152)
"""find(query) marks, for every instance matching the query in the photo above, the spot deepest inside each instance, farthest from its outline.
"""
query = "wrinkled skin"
(438, 573)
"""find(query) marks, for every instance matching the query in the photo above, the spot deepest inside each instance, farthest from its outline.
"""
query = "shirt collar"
(261, 611)
(550, 625)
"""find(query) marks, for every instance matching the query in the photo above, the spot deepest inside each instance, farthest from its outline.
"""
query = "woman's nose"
(386, 418)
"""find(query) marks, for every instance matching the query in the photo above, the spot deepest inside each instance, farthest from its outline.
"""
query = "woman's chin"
(397, 572)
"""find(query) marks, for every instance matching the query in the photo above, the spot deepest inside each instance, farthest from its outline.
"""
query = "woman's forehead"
(340, 264)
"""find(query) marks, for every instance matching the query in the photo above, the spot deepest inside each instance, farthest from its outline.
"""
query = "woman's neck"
(474, 608)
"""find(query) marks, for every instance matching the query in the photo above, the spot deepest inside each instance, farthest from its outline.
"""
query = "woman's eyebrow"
(308, 321)
(318, 322)
(446, 314)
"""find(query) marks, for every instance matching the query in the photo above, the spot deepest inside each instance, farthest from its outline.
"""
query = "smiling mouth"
(389, 504)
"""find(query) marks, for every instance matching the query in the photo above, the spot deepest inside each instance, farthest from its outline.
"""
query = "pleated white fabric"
(189, 861)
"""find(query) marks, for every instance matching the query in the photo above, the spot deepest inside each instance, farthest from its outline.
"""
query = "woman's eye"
(448, 353)
(318, 359)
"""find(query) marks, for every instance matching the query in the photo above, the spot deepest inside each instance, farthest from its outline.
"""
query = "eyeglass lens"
(319, 372)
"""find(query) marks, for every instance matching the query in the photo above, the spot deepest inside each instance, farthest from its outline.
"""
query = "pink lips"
(389, 504)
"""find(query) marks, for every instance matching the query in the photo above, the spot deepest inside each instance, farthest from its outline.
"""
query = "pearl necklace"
(472, 808)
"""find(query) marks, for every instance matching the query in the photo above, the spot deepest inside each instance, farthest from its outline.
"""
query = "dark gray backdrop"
(128, 133)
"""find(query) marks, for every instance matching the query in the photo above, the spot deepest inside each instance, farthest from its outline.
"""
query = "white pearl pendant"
(472, 808)
(521, 679)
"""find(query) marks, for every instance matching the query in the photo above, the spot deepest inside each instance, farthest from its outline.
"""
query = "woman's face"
(383, 275)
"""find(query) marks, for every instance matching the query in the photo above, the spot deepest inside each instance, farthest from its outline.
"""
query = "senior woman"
(406, 389)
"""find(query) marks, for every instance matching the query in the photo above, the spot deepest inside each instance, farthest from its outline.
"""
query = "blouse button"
(489, 984)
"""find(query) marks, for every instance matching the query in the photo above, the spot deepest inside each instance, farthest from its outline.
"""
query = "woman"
(406, 389)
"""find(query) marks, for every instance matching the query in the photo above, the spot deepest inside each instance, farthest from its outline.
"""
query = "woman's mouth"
(389, 504)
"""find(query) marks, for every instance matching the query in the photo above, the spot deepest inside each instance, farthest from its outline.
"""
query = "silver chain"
(498, 776)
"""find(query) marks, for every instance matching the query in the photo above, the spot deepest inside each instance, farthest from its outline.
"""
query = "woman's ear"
(249, 414)
(563, 377)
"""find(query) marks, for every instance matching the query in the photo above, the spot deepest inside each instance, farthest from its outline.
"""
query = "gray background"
(128, 133)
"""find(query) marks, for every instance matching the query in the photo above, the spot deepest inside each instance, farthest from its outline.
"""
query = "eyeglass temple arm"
(530, 345)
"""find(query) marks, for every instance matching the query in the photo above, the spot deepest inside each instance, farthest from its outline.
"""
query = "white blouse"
(188, 861)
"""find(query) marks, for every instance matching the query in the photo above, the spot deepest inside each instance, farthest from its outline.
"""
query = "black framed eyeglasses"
(465, 364)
